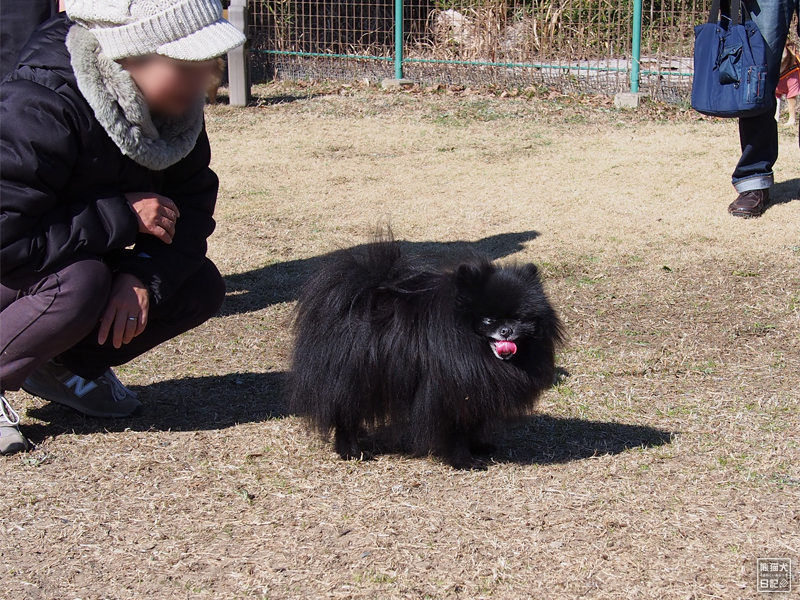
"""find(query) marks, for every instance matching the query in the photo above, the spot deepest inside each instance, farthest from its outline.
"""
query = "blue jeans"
(759, 135)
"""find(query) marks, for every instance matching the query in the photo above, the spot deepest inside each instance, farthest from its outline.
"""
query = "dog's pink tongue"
(505, 348)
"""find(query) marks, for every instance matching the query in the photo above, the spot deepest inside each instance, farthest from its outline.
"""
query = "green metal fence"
(573, 45)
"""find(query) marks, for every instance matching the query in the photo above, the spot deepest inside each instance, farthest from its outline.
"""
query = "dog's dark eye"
(488, 321)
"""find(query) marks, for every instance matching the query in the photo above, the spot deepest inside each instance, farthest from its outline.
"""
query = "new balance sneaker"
(101, 397)
(11, 439)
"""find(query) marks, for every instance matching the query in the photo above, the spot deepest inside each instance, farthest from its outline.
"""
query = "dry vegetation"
(665, 460)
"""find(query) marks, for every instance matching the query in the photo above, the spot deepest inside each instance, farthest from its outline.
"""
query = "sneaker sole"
(30, 387)
(15, 447)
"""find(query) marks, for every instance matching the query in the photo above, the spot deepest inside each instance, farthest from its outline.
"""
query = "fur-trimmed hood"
(119, 107)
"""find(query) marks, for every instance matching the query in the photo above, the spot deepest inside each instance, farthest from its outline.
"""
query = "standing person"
(758, 135)
(789, 83)
(106, 198)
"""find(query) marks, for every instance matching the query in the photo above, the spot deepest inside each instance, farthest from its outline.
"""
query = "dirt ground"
(663, 463)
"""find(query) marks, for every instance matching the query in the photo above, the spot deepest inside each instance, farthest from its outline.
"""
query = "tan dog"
(789, 83)
(216, 80)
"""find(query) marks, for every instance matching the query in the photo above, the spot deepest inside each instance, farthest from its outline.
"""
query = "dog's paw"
(361, 455)
(460, 457)
(461, 463)
(346, 445)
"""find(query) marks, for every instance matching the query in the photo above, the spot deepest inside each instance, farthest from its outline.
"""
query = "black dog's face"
(506, 306)
(502, 334)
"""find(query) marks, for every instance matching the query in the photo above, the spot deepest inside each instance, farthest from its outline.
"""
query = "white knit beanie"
(183, 30)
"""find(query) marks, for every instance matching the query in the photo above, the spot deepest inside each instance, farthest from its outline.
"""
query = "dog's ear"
(531, 270)
(469, 275)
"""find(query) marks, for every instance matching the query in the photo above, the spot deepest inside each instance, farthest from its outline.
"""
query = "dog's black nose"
(506, 331)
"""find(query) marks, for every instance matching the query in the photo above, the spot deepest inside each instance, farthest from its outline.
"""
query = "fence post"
(636, 46)
(398, 39)
(239, 58)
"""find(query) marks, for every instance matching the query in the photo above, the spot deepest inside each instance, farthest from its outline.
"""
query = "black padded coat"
(63, 180)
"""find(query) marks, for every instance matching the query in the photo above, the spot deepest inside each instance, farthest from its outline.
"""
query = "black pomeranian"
(432, 355)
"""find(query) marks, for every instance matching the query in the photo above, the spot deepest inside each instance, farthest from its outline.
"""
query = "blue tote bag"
(730, 65)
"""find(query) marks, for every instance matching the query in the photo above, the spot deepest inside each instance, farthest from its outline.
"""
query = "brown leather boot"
(750, 204)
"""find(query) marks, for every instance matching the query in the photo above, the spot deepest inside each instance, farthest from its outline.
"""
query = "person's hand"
(125, 316)
(157, 214)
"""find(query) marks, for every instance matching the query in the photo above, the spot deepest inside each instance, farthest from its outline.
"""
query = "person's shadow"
(784, 192)
(184, 404)
(211, 403)
(279, 282)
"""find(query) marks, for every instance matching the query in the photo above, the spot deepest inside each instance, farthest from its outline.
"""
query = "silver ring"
(132, 319)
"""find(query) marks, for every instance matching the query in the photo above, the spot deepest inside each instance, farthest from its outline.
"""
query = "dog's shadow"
(547, 439)
(279, 282)
(213, 403)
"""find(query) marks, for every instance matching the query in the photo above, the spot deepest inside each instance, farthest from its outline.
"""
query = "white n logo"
(82, 387)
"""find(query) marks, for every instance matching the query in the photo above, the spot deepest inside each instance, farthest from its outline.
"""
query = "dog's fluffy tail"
(349, 277)
(332, 321)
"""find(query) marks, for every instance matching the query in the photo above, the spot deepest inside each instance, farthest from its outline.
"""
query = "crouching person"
(106, 199)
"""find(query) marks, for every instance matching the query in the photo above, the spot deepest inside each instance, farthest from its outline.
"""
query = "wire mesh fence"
(570, 45)
(321, 39)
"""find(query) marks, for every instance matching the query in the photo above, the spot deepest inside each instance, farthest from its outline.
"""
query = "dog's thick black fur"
(433, 355)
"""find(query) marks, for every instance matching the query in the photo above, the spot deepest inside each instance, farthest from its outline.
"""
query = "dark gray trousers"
(57, 314)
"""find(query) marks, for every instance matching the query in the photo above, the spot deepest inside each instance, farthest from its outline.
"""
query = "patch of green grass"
(33, 460)
(779, 360)
(794, 303)
(599, 353)
(708, 367)
(281, 483)
(632, 332)
(564, 390)
(245, 495)
(675, 411)
(557, 270)
(448, 119)
(373, 576)
(784, 479)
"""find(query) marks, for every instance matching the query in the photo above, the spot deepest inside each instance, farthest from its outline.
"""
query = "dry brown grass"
(662, 464)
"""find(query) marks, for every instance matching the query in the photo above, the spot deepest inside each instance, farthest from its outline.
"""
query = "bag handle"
(729, 10)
